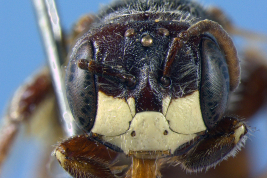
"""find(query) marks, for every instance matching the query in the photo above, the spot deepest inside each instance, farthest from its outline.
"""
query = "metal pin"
(50, 30)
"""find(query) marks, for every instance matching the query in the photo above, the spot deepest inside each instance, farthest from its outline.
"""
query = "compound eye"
(80, 88)
(214, 85)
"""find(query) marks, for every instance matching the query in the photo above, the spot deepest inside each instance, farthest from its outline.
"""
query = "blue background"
(21, 54)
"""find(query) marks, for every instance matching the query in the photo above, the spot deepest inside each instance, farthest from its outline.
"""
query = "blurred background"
(22, 53)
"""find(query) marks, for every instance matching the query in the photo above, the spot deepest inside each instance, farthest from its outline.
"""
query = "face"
(18, 68)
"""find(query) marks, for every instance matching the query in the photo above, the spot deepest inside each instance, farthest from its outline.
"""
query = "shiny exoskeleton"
(150, 80)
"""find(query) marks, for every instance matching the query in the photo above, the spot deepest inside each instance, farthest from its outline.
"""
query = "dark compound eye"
(80, 88)
(214, 87)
